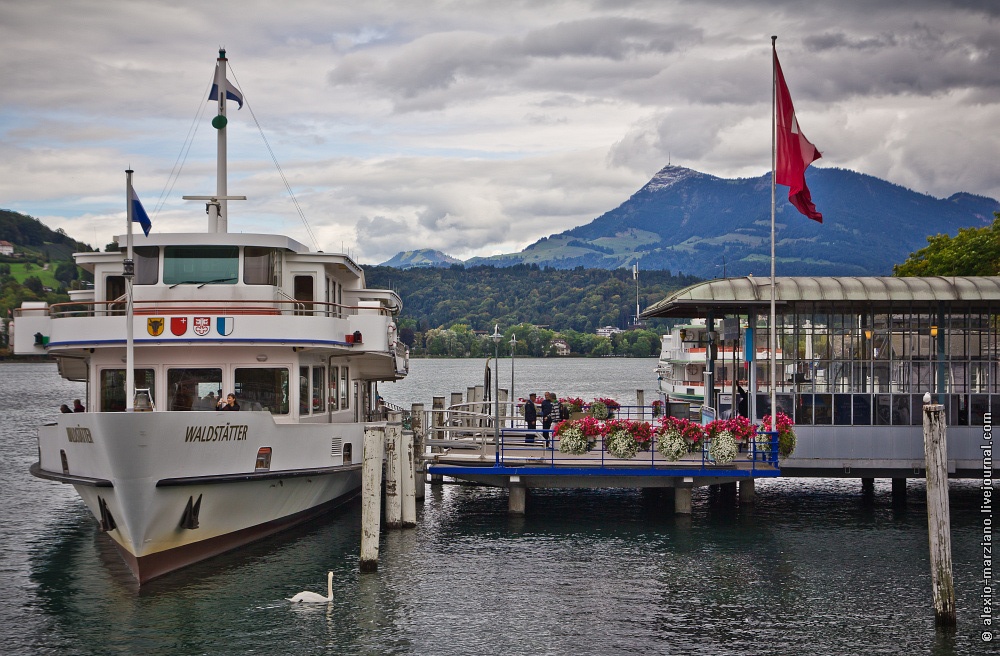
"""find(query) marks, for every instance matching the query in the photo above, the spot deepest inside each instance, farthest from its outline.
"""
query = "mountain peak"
(425, 257)
(670, 175)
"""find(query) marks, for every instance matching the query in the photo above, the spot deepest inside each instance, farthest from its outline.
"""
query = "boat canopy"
(743, 295)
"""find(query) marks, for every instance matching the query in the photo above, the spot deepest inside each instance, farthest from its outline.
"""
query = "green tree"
(972, 252)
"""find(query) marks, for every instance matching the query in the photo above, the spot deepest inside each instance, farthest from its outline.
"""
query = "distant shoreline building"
(6, 248)
(608, 331)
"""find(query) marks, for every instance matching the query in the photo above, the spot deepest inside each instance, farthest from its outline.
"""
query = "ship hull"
(174, 488)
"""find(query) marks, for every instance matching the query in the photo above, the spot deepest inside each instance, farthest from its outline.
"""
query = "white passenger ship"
(293, 333)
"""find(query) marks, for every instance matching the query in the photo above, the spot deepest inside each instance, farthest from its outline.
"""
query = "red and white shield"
(202, 325)
(178, 325)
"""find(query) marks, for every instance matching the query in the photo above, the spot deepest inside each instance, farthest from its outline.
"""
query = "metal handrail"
(167, 306)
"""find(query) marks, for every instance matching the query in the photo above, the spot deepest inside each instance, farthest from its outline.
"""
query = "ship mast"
(218, 215)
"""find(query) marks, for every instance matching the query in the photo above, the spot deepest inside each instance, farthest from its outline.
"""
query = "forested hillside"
(443, 308)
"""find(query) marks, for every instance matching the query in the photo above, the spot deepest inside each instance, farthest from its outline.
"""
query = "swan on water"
(312, 597)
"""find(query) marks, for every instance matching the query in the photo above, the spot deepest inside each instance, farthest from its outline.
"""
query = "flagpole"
(774, 331)
(128, 272)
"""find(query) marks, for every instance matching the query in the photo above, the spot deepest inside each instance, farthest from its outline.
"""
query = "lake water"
(812, 568)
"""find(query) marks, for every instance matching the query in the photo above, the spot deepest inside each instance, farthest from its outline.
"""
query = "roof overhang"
(749, 294)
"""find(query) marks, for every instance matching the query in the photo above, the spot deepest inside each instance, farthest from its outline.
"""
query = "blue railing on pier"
(522, 447)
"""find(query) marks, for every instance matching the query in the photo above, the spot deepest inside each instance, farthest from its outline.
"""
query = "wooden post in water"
(371, 493)
(407, 493)
(417, 426)
(938, 515)
(747, 491)
(437, 432)
(456, 400)
(640, 401)
(393, 493)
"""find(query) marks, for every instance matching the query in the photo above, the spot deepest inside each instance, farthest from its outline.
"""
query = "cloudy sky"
(473, 127)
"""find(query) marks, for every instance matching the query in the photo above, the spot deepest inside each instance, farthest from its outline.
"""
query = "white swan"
(312, 597)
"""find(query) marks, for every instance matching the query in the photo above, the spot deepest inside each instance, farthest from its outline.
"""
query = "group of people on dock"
(551, 410)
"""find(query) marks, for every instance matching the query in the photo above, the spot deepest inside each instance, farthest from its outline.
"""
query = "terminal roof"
(742, 295)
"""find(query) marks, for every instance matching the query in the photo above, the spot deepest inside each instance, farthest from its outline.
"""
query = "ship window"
(113, 387)
(303, 390)
(334, 397)
(344, 405)
(201, 264)
(262, 388)
(193, 389)
(318, 386)
(260, 266)
(147, 265)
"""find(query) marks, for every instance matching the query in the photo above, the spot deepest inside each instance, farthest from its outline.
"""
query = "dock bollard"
(939, 515)
(371, 493)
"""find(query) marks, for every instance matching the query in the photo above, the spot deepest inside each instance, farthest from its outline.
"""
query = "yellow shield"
(154, 326)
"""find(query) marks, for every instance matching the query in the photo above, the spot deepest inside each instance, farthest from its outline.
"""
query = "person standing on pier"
(530, 415)
(548, 414)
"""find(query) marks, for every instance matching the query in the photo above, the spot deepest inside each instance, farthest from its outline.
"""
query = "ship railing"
(228, 306)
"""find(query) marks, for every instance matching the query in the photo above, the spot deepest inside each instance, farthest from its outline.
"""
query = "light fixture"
(933, 331)
(262, 357)
(868, 334)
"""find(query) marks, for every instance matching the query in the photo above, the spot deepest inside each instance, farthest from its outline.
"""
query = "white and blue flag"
(232, 93)
(139, 212)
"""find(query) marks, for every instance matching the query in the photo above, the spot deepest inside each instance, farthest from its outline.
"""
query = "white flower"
(621, 444)
(672, 445)
(723, 448)
(573, 441)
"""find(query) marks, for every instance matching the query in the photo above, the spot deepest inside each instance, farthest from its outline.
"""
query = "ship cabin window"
(344, 405)
(260, 266)
(113, 387)
(193, 389)
(334, 381)
(318, 387)
(312, 387)
(262, 388)
(147, 265)
(217, 265)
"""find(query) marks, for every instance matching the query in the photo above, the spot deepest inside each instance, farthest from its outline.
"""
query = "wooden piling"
(393, 491)
(437, 423)
(747, 491)
(371, 492)
(640, 400)
(408, 497)
(938, 515)
(419, 468)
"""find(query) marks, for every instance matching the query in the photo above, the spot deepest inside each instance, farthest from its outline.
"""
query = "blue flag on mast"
(139, 212)
(232, 93)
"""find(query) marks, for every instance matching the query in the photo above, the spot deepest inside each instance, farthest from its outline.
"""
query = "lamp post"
(496, 387)
(513, 347)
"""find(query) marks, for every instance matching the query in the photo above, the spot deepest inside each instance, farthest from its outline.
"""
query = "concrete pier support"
(518, 495)
(371, 491)
(899, 491)
(748, 492)
(868, 486)
(682, 500)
